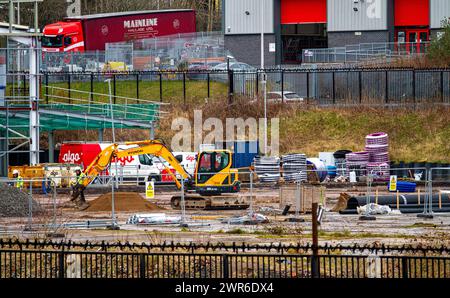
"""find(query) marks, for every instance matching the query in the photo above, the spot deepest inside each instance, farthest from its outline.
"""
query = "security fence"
(64, 260)
(324, 87)
(378, 52)
(34, 259)
(42, 198)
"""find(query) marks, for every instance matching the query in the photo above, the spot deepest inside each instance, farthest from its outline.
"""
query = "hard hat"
(15, 172)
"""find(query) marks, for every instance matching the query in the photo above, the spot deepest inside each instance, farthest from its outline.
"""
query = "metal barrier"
(324, 87)
(52, 263)
(364, 52)
(300, 195)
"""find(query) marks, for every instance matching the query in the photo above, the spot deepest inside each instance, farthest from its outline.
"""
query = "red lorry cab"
(92, 32)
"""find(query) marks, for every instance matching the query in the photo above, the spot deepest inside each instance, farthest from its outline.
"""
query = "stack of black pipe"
(407, 203)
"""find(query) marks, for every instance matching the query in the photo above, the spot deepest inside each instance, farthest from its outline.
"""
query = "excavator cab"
(214, 175)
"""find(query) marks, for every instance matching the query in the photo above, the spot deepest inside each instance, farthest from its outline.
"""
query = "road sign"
(272, 47)
(150, 189)
(393, 183)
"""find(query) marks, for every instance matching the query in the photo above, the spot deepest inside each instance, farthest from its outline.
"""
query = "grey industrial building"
(293, 25)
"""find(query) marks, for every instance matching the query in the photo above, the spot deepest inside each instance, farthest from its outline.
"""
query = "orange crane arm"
(153, 147)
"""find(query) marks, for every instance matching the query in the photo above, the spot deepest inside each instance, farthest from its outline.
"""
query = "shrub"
(439, 50)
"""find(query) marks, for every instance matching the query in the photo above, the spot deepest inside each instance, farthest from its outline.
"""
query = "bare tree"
(208, 12)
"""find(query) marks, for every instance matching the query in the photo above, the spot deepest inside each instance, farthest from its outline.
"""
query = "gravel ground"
(14, 202)
(206, 226)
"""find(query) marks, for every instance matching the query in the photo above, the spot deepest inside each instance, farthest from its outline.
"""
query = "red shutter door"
(303, 11)
(412, 13)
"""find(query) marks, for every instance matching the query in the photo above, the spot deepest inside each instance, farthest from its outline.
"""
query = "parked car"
(236, 67)
(198, 71)
(288, 97)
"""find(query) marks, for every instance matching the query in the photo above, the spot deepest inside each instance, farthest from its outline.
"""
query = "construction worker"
(80, 176)
(19, 180)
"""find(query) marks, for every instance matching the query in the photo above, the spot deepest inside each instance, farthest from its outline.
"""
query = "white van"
(187, 160)
(132, 168)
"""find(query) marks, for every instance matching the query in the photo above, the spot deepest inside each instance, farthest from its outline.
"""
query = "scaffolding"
(26, 112)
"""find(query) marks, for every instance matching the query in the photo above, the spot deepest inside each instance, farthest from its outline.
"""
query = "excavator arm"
(106, 157)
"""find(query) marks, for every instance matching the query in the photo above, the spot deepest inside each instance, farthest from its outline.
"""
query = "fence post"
(414, 86)
(334, 88)
(114, 87)
(92, 87)
(68, 87)
(46, 87)
(225, 266)
(442, 86)
(184, 87)
(142, 266)
(137, 87)
(307, 86)
(209, 82)
(405, 267)
(61, 264)
(360, 86)
(315, 246)
(386, 87)
(160, 88)
(230, 86)
(257, 84)
(282, 86)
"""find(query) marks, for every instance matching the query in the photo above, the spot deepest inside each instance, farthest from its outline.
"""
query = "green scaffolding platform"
(60, 116)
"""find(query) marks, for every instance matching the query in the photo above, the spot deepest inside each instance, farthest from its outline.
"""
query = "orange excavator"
(213, 175)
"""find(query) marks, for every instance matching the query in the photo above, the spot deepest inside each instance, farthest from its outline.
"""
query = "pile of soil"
(14, 202)
(123, 201)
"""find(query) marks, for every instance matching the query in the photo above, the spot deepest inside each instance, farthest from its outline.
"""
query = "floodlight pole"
(34, 102)
(264, 79)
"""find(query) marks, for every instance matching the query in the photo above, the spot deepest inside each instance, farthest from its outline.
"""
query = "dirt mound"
(123, 201)
(14, 202)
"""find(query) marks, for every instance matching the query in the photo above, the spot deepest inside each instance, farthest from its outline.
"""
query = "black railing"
(233, 247)
(332, 86)
(91, 264)
(47, 259)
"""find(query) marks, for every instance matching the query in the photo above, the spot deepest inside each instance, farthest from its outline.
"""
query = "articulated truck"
(92, 32)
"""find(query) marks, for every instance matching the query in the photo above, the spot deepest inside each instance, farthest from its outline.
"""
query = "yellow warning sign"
(393, 183)
(150, 190)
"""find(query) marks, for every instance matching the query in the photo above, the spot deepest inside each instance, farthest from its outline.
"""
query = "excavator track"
(220, 202)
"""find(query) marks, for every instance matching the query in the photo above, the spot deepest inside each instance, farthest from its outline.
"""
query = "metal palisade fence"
(324, 87)
(169, 260)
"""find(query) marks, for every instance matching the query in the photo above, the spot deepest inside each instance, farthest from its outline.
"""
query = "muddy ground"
(204, 226)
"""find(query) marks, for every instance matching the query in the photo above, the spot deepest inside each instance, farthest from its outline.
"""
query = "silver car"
(288, 96)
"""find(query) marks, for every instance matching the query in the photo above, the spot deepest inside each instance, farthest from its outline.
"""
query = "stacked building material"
(339, 160)
(267, 168)
(319, 168)
(357, 161)
(377, 145)
(294, 167)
